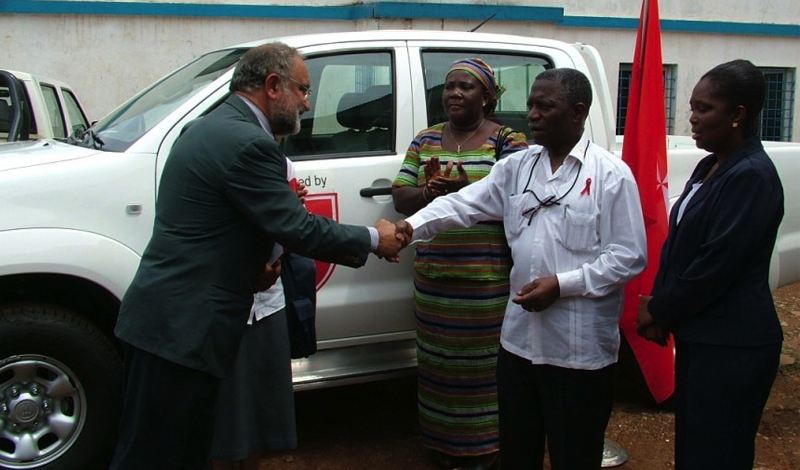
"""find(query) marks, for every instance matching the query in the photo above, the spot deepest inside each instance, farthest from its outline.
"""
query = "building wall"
(110, 50)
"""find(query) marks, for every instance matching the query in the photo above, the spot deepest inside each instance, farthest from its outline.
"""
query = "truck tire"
(60, 390)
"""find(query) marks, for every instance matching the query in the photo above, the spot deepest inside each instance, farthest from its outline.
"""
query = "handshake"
(392, 237)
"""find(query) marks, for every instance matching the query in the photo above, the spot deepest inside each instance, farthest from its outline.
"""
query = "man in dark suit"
(223, 203)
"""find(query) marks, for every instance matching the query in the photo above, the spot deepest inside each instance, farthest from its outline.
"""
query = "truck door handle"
(370, 192)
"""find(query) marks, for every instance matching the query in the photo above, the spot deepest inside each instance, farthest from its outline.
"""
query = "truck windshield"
(125, 125)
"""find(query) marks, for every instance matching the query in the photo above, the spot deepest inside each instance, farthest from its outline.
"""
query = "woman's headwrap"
(481, 70)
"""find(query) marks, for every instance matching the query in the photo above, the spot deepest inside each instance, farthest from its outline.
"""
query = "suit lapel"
(748, 148)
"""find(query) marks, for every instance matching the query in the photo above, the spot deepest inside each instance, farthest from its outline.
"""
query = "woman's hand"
(432, 168)
(440, 182)
(646, 325)
(302, 191)
(643, 317)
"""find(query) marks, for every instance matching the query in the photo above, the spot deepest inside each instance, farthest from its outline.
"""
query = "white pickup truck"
(33, 107)
(76, 215)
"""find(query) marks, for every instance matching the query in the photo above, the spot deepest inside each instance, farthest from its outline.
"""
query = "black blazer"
(223, 202)
(712, 283)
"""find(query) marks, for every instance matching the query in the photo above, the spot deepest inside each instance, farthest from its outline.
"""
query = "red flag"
(644, 149)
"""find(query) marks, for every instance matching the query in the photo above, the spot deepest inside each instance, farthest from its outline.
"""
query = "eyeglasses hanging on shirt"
(551, 200)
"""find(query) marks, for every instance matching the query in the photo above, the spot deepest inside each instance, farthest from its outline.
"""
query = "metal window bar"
(623, 89)
(669, 97)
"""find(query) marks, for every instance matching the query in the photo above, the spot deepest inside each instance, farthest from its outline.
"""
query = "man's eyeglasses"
(306, 89)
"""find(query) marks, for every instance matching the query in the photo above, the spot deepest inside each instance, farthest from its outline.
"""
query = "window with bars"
(623, 88)
(777, 116)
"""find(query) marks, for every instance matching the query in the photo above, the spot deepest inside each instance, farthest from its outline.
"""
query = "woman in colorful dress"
(461, 276)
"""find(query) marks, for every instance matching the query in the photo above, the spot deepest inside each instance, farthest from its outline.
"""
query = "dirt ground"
(374, 426)
(647, 432)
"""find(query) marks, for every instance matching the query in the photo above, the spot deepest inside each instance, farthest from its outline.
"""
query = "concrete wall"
(110, 50)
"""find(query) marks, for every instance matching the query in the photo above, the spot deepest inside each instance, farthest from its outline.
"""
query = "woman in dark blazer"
(711, 291)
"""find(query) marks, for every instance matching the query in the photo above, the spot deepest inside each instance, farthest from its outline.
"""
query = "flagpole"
(643, 25)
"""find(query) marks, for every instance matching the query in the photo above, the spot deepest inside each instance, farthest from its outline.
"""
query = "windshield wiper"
(86, 138)
(93, 139)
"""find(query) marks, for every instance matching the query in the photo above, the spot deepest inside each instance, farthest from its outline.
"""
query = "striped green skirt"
(458, 335)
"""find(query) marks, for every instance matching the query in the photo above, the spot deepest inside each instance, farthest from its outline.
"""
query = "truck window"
(352, 107)
(7, 105)
(6, 112)
(54, 111)
(76, 117)
(515, 72)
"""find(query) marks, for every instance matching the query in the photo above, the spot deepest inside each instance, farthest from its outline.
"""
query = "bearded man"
(223, 204)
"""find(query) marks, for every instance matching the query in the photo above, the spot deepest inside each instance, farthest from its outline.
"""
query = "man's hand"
(389, 243)
(404, 231)
(538, 294)
(646, 325)
(268, 277)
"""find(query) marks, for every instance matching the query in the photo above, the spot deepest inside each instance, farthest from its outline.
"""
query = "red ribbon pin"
(586, 189)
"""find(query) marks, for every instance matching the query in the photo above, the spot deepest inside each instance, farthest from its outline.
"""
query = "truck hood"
(39, 152)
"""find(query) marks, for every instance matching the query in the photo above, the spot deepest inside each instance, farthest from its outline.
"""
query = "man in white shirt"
(574, 223)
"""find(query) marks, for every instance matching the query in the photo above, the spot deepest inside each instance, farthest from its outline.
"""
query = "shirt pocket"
(518, 220)
(580, 230)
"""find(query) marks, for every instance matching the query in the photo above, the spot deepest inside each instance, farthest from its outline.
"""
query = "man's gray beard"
(286, 119)
(296, 128)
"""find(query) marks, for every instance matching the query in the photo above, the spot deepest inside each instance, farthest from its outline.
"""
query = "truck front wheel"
(60, 385)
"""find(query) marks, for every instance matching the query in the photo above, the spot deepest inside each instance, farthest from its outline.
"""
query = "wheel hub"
(42, 411)
(24, 406)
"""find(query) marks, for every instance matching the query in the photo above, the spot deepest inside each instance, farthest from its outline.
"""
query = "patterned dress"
(461, 290)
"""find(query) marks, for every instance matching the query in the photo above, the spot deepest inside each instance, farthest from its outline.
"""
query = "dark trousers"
(720, 393)
(255, 405)
(568, 408)
(167, 415)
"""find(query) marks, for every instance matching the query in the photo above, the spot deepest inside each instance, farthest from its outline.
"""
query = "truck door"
(348, 153)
